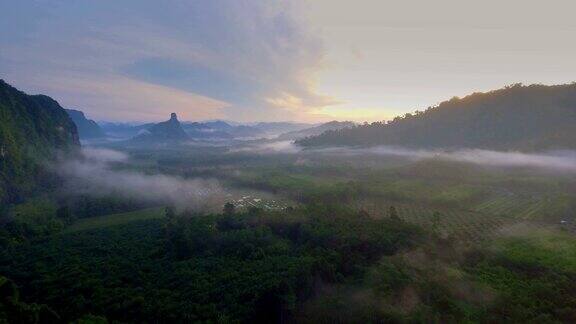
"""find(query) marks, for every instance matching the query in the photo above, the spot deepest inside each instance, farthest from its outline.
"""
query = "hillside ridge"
(517, 117)
(33, 128)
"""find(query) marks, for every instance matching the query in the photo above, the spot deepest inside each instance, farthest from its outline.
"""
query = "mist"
(286, 147)
(564, 161)
(94, 174)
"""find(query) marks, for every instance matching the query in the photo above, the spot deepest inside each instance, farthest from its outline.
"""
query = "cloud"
(560, 161)
(141, 59)
(564, 161)
(286, 147)
(121, 98)
(103, 155)
(93, 174)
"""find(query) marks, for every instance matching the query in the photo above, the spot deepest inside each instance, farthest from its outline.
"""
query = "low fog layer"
(555, 161)
(268, 147)
(93, 174)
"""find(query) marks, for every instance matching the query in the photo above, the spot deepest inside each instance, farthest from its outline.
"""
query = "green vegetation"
(468, 226)
(526, 207)
(534, 274)
(115, 219)
(14, 310)
(527, 277)
(41, 217)
(32, 129)
(34, 219)
(241, 266)
(300, 187)
(310, 264)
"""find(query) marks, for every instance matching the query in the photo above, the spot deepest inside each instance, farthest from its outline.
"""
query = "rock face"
(87, 128)
(168, 131)
(33, 129)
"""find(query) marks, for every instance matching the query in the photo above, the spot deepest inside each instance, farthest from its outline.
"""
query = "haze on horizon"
(302, 60)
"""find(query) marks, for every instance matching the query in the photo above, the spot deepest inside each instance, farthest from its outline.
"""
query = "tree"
(436, 217)
(91, 319)
(393, 214)
(170, 213)
(363, 214)
(229, 209)
(13, 310)
(65, 214)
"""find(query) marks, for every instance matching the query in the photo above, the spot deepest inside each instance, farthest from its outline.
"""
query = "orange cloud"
(115, 97)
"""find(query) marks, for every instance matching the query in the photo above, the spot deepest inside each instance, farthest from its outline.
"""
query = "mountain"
(244, 131)
(517, 117)
(87, 128)
(168, 131)
(316, 130)
(220, 130)
(123, 130)
(211, 130)
(217, 125)
(207, 130)
(277, 128)
(32, 130)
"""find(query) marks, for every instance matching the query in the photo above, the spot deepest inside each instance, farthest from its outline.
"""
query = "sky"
(273, 60)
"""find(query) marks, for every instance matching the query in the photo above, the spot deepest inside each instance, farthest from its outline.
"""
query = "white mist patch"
(561, 161)
(103, 155)
(557, 161)
(270, 147)
(564, 161)
(93, 175)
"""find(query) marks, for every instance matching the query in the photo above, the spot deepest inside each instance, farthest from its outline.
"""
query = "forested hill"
(87, 128)
(32, 129)
(518, 117)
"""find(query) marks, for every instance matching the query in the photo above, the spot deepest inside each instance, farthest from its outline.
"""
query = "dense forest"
(32, 130)
(519, 117)
(233, 266)
(313, 264)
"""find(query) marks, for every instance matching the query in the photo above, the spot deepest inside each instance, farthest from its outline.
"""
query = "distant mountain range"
(277, 128)
(209, 130)
(87, 128)
(168, 131)
(535, 117)
(123, 130)
(174, 131)
(316, 130)
(32, 130)
(220, 130)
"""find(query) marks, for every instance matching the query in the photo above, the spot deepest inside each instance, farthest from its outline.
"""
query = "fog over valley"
(93, 174)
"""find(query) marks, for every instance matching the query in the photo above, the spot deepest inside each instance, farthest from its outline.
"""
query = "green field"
(467, 225)
(525, 207)
(115, 219)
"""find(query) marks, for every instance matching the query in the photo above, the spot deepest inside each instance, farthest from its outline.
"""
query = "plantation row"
(523, 208)
(468, 225)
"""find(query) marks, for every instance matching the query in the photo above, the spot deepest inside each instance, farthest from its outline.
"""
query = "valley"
(287, 161)
(168, 225)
